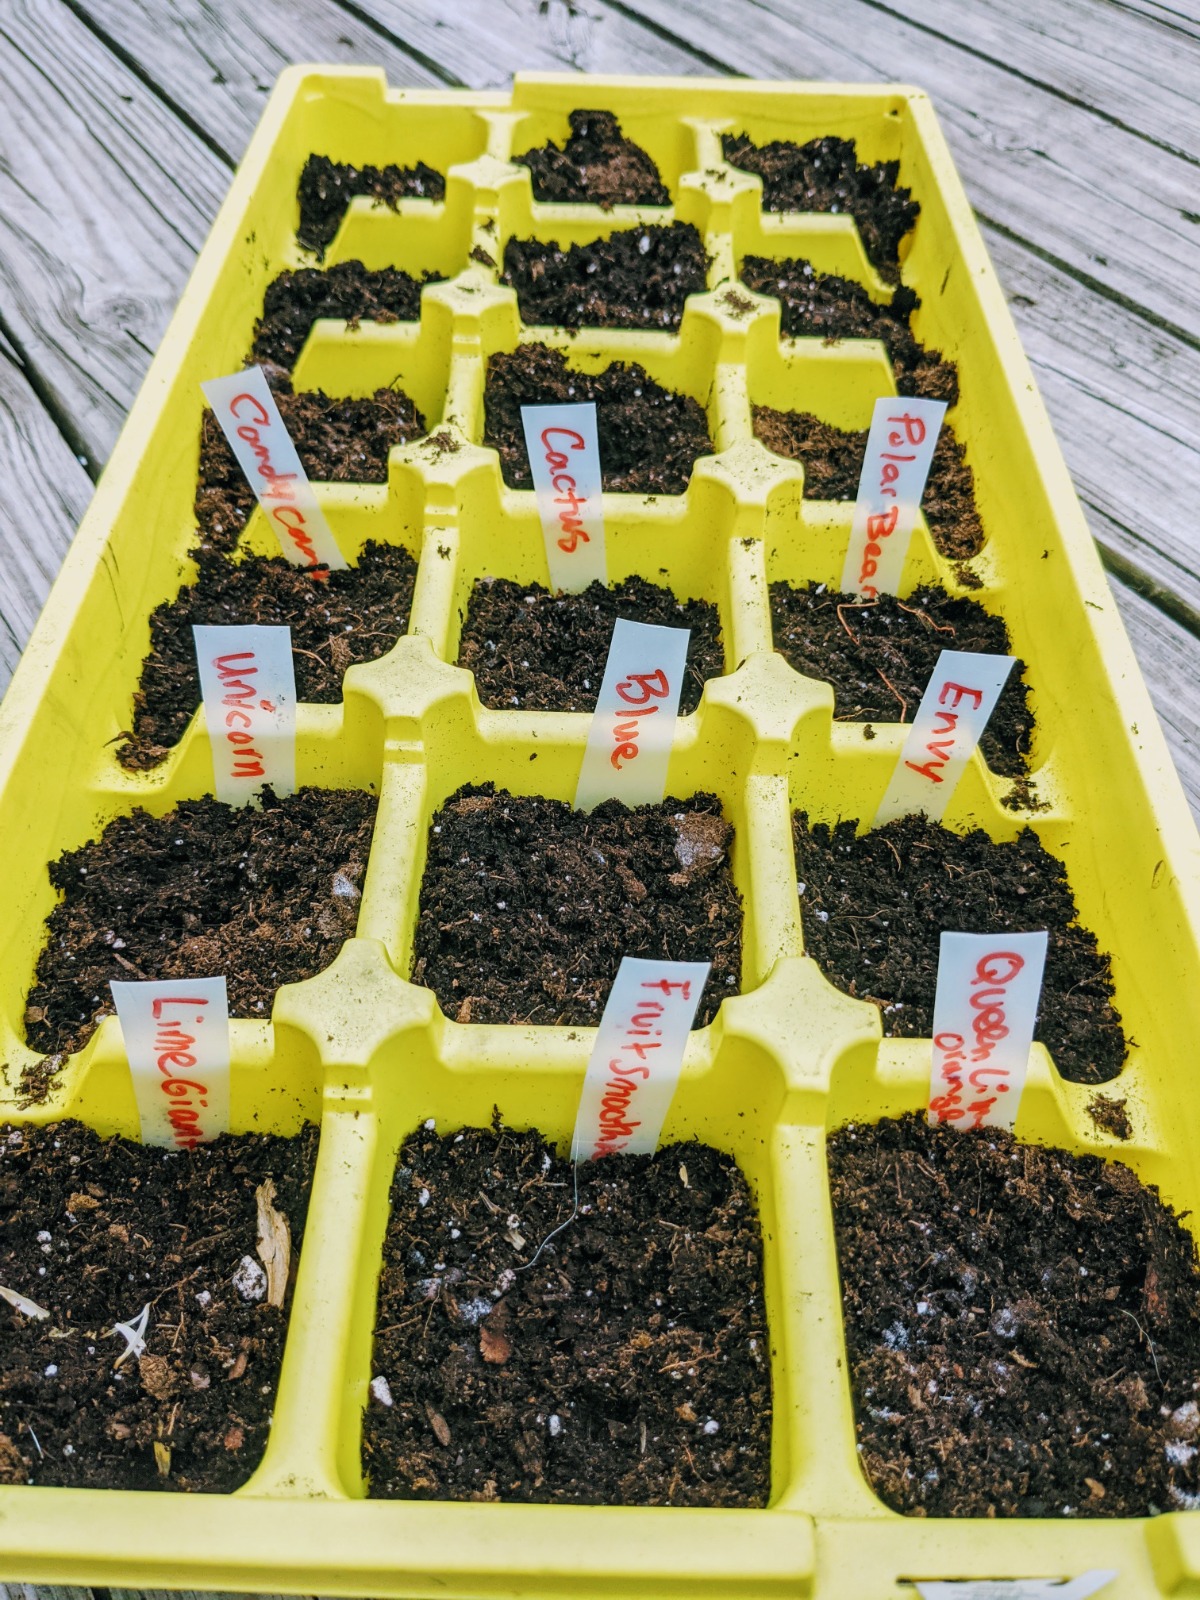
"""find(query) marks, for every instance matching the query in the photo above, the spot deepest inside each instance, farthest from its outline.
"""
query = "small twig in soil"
(554, 1231)
(896, 692)
(1145, 1336)
(938, 627)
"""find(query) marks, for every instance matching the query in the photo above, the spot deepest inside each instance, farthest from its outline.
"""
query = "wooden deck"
(1073, 123)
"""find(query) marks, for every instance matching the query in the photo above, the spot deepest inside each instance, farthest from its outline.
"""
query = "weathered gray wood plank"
(1122, 65)
(106, 197)
(219, 64)
(1167, 656)
(1104, 203)
(45, 493)
(484, 44)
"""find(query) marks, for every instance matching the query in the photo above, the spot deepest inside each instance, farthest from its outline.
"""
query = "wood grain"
(106, 197)
(45, 493)
(217, 65)
(1167, 657)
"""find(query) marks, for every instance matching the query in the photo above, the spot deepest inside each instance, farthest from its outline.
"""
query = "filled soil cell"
(826, 175)
(635, 278)
(833, 460)
(338, 441)
(327, 188)
(595, 166)
(261, 897)
(626, 1365)
(819, 305)
(649, 437)
(348, 292)
(527, 906)
(92, 1231)
(539, 651)
(879, 656)
(1023, 1327)
(336, 618)
(875, 907)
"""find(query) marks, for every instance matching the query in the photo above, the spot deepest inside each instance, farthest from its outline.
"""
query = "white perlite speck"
(381, 1389)
(249, 1279)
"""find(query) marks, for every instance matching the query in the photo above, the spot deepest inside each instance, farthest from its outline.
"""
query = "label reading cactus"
(633, 725)
(900, 449)
(245, 407)
(176, 1034)
(1087, 1583)
(984, 1014)
(564, 459)
(636, 1060)
(249, 691)
(959, 698)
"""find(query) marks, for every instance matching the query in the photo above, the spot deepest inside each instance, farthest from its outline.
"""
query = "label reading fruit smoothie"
(958, 700)
(633, 725)
(900, 448)
(249, 691)
(245, 407)
(564, 459)
(176, 1034)
(637, 1057)
(984, 1014)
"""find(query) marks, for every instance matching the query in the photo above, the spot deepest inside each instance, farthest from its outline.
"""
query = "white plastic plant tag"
(1087, 1583)
(633, 725)
(177, 1041)
(249, 689)
(900, 447)
(257, 434)
(564, 459)
(959, 698)
(636, 1060)
(984, 1014)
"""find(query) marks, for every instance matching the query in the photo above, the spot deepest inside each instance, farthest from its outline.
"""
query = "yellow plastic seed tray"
(369, 1054)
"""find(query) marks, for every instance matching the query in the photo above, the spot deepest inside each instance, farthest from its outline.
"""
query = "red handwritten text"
(276, 486)
(566, 490)
(908, 430)
(174, 1053)
(941, 747)
(238, 701)
(964, 1064)
(640, 1035)
(638, 690)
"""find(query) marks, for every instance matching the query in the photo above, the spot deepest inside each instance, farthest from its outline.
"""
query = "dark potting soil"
(327, 188)
(336, 618)
(596, 166)
(348, 292)
(649, 437)
(1023, 1327)
(826, 175)
(818, 305)
(1111, 1115)
(546, 652)
(92, 1230)
(879, 655)
(630, 1366)
(527, 906)
(635, 278)
(833, 460)
(261, 897)
(338, 440)
(875, 907)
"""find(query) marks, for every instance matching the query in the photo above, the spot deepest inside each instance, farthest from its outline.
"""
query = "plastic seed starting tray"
(370, 1055)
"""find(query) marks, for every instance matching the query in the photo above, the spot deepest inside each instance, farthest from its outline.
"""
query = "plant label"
(1087, 1583)
(177, 1041)
(564, 458)
(258, 436)
(984, 1014)
(633, 725)
(249, 691)
(959, 698)
(637, 1057)
(900, 448)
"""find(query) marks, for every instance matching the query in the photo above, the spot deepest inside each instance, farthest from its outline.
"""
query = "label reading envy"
(900, 447)
(1087, 1583)
(249, 691)
(958, 700)
(564, 459)
(633, 725)
(176, 1035)
(984, 1014)
(257, 434)
(636, 1060)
